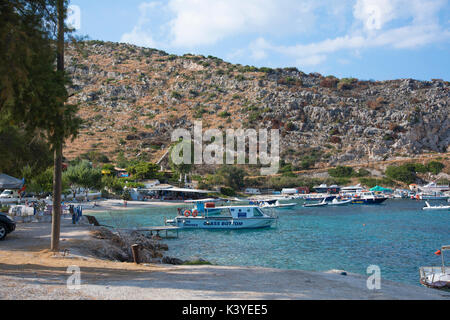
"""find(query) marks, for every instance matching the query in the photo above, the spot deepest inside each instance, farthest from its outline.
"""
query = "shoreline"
(102, 205)
(30, 271)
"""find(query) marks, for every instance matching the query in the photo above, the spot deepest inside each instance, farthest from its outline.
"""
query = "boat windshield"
(257, 212)
(224, 212)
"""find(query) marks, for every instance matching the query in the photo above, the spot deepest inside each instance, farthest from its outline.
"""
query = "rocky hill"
(132, 98)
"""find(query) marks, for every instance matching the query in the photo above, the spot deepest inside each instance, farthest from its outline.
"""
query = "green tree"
(183, 168)
(341, 172)
(404, 173)
(144, 170)
(232, 176)
(20, 150)
(42, 183)
(113, 184)
(33, 94)
(83, 176)
(435, 167)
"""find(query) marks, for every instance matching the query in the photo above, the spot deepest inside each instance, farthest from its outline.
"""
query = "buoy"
(195, 213)
(187, 213)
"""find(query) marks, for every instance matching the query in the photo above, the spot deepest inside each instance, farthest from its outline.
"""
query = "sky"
(365, 39)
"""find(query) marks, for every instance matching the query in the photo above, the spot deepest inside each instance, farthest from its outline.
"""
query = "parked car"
(6, 226)
(8, 194)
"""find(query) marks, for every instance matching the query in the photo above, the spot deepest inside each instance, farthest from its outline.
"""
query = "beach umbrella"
(380, 189)
(8, 182)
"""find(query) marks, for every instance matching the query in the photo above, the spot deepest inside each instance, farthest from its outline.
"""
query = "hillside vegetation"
(132, 98)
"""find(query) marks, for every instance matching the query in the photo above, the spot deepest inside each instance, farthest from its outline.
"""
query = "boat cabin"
(352, 189)
(241, 212)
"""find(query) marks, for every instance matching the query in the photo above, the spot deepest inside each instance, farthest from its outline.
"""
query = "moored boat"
(436, 277)
(230, 217)
(430, 207)
(432, 196)
(433, 187)
(337, 202)
(324, 203)
(323, 188)
(368, 197)
(274, 204)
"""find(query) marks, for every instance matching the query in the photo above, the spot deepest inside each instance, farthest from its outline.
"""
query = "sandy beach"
(103, 205)
(29, 271)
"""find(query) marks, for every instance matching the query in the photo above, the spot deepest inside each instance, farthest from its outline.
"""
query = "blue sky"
(366, 39)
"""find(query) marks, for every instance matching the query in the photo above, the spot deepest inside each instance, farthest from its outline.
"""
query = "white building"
(252, 191)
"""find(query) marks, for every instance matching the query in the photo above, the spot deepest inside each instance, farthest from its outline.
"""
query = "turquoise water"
(397, 236)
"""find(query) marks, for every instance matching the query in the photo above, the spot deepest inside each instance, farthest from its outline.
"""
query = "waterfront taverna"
(168, 192)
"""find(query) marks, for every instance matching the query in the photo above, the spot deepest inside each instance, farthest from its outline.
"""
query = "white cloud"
(258, 49)
(312, 60)
(189, 24)
(140, 35)
(139, 38)
(374, 14)
(423, 29)
(205, 22)
(193, 23)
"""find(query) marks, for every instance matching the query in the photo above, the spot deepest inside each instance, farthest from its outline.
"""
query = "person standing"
(72, 213)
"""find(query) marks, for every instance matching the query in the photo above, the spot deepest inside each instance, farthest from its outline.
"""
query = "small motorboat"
(430, 207)
(277, 205)
(313, 205)
(436, 277)
(337, 202)
(272, 204)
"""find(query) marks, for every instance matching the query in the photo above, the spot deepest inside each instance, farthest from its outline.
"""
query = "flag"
(438, 253)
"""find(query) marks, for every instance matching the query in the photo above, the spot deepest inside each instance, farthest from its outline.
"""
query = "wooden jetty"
(158, 230)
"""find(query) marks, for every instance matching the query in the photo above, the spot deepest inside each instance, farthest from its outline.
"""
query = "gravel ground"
(210, 282)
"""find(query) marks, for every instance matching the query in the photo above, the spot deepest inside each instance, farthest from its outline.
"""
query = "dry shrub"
(376, 104)
(329, 83)
(335, 139)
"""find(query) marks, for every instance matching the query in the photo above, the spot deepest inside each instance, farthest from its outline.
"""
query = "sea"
(397, 236)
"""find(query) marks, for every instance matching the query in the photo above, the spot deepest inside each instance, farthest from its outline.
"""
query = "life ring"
(195, 213)
(187, 213)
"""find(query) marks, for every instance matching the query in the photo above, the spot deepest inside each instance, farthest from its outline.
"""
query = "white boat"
(230, 217)
(432, 187)
(275, 204)
(337, 202)
(430, 207)
(323, 188)
(432, 196)
(402, 194)
(324, 203)
(436, 277)
(352, 189)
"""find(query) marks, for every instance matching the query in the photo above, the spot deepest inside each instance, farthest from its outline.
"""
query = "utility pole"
(57, 174)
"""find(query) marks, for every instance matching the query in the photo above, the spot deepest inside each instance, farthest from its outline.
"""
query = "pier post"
(135, 250)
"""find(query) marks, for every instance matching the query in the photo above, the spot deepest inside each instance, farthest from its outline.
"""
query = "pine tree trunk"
(57, 173)
(57, 190)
